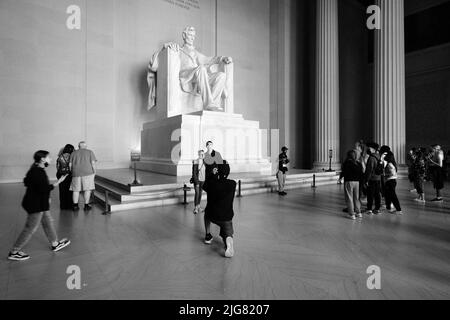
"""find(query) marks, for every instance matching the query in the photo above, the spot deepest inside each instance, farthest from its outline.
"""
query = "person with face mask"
(36, 203)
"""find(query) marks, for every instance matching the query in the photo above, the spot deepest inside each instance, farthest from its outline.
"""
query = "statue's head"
(189, 35)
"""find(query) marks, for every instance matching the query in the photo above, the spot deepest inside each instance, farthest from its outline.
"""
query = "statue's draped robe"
(197, 76)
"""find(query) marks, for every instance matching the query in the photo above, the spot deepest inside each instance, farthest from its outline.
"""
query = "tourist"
(352, 174)
(410, 158)
(363, 160)
(219, 207)
(198, 179)
(82, 166)
(390, 175)
(419, 174)
(283, 161)
(372, 179)
(437, 171)
(63, 169)
(36, 203)
(212, 158)
(382, 152)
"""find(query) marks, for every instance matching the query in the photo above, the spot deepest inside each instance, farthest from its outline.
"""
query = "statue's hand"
(172, 45)
(228, 60)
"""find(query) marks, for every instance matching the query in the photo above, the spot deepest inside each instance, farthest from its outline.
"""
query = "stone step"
(165, 191)
(102, 181)
(139, 201)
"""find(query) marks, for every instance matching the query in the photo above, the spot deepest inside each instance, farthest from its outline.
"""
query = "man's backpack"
(379, 168)
(64, 167)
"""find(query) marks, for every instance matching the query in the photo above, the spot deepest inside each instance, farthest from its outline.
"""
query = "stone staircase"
(123, 197)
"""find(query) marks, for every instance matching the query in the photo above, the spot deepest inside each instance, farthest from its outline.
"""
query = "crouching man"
(219, 207)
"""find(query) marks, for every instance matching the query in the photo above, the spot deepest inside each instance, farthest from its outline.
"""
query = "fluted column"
(327, 84)
(389, 70)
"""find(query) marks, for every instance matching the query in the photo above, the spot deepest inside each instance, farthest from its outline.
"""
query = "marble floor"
(298, 247)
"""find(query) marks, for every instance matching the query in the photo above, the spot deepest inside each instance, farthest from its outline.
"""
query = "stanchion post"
(239, 195)
(107, 207)
(185, 190)
(314, 181)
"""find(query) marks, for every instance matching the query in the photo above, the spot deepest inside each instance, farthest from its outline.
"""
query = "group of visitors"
(372, 171)
(427, 165)
(75, 174)
(368, 171)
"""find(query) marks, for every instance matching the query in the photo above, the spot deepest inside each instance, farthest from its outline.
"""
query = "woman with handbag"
(198, 179)
(63, 168)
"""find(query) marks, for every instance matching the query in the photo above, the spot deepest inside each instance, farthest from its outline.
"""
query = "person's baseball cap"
(284, 149)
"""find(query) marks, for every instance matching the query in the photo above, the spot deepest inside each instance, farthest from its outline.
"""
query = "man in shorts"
(82, 166)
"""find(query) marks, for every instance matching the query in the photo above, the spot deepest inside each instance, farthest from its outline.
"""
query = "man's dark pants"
(374, 193)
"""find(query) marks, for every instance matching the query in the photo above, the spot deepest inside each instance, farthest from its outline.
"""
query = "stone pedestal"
(169, 145)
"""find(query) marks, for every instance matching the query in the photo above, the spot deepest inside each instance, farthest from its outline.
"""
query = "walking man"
(82, 165)
(282, 169)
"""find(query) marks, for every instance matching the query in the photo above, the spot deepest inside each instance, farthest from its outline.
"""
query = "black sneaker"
(75, 207)
(208, 238)
(437, 200)
(61, 244)
(18, 256)
(87, 207)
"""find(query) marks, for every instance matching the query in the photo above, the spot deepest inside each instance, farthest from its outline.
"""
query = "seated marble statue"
(196, 75)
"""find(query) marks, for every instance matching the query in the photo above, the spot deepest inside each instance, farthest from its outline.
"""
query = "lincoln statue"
(197, 75)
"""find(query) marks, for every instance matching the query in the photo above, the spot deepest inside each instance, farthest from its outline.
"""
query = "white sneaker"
(229, 252)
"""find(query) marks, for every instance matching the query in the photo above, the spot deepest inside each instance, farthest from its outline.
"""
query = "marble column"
(389, 82)
(327, 85)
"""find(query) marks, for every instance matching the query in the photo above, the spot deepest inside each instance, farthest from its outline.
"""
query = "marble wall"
(428, 97)
(61, 86)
